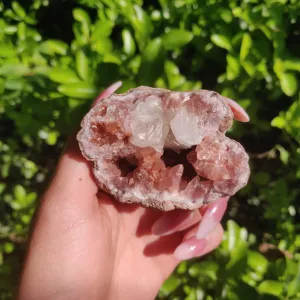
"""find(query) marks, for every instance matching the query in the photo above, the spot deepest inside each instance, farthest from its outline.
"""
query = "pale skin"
(86, 245)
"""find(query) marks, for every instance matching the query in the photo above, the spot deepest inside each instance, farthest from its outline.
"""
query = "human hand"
(85, 245)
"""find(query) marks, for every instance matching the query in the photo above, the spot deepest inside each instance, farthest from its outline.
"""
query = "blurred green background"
(55, 56)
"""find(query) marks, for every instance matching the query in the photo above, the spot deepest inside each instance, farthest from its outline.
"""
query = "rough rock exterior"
(164, 149)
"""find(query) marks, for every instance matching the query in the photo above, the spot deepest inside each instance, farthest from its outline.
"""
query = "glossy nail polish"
(190, 248)
(238, 112)
(211, 218)
(107, 92)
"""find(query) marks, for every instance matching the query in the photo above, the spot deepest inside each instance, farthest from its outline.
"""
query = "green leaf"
(278, 67)
(18, 9)
(284, 154)
(245, 46)
(257, 262)
(9, 30)
(233, 67)
(19, 192)
(82, 90)
(279, 122)
(176, 38)
(182, 268)
(294, 285)
(6, 50)
(261, 178)
(238, 259)
(271, 287)
(288, 83)
(29, 199)
(170, 285)
(52, 47)
(2, 187)
(233, 234)
(292, 64)
(30, 169)
(291, 268)
(52, 138)
(81, 16)
(26, 219)
(152, 63)
(14, 84)
(250, 67)
(221, 41)
(103, 46)
(112, 58)
(175, 79)
(8, 247)
(205, 268)
(128, 42)
(63, 75)
(82, 65)
(102, 29)
(22, 31)
(41, 70)
(142, 25)
(190, 292)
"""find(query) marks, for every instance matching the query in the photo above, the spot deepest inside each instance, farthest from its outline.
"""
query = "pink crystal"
(164, 149)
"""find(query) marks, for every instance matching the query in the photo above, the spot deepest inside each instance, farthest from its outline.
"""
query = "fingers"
(179, 220)
(192, 247)
(238, 112)
(174, 221)
(200, 239)
(208, 236)
(211, 218)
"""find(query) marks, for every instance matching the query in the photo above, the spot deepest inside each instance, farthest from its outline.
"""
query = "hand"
(85, 245)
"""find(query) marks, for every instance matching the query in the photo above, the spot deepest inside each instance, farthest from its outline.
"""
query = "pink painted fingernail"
(211, 218)
(174, 221)
(238, 112)
(107, 92)
(190, 248)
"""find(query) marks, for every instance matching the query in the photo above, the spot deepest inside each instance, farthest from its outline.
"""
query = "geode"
(164, 149)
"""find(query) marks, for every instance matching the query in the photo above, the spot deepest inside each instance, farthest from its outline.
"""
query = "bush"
(54, 58)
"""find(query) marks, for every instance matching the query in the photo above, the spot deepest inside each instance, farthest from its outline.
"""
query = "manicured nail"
(211, 218)
(107, 92)
(174, 221)
(238, 112)
(190, 248)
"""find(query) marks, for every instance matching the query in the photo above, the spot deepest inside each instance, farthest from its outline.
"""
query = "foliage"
(246, 50)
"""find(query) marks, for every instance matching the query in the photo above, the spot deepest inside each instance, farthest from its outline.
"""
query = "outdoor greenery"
(55, 56)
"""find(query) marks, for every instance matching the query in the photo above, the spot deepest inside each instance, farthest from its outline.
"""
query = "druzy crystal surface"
(164, 149)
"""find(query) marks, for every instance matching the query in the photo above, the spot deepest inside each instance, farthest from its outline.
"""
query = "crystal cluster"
(164, 149)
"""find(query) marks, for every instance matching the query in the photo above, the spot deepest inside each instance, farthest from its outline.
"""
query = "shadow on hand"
(163, 244)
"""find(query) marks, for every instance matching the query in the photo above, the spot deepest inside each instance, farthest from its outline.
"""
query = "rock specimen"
(164, 149)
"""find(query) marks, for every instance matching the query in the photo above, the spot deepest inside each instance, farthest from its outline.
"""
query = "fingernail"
(211, 218)
(238, 112)
(189, 249)
(107, 92)
(172, 222)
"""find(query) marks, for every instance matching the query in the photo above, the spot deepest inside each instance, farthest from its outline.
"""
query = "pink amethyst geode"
(164, 149)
